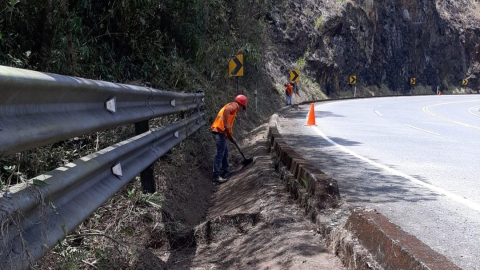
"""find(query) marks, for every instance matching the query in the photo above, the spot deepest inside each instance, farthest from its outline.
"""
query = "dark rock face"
(389, 42)
(385, 43)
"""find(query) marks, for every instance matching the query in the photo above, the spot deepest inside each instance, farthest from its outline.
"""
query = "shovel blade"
(247, 161)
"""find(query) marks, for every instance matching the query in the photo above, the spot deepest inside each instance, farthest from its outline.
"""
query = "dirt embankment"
(253, 223)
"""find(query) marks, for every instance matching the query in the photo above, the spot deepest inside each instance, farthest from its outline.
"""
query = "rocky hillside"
(383, 43)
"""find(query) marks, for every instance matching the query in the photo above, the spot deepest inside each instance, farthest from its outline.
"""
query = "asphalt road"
(414, 159)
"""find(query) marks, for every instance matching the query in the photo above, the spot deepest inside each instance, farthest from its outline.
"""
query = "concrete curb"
(382, 243)
(392, 247)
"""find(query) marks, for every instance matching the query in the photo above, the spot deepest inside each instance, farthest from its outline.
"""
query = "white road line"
(470, 110)
(452, 196)
(431, 132)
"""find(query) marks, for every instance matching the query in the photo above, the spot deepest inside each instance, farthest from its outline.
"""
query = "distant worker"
(222, 129)
(295, 89)
(288, 94)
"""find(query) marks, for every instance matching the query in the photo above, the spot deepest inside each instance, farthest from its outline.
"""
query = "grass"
(313, 87)
(421, 90)
(110, 237)
(301, 63)
(28, 164)
(318, 22)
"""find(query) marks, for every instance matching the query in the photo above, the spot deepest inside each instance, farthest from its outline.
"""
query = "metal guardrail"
(41, 108)
(38, 108)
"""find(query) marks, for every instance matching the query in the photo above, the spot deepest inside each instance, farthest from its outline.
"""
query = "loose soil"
(253, 223)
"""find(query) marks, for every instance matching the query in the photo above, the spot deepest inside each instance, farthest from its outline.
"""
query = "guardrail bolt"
(117, 169)
(111, 105)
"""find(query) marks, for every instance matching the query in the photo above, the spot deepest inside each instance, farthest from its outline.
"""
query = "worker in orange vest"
(288, 93)
(222, 129)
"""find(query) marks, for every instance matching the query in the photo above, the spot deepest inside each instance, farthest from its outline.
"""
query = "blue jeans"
(288, 100)
(220, 163)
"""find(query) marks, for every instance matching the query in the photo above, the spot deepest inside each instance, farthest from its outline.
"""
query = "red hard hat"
(242, 100)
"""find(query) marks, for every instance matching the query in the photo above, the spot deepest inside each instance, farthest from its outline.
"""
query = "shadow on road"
(359, 181)
(301, 113)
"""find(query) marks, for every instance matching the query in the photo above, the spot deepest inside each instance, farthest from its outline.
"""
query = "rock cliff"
(384, 43)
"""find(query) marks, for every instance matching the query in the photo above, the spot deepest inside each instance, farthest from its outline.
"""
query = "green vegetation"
(319, 22)
(171, 44)
(301, 62)
(315, 89)
(304, 182)
(130, 40)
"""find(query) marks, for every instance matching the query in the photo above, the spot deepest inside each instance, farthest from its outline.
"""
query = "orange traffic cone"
(311, 116)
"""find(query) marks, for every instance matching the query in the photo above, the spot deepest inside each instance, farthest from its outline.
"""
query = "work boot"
(225, 174)
(217, 179)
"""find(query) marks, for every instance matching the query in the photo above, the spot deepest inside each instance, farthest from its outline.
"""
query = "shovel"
(245, 161)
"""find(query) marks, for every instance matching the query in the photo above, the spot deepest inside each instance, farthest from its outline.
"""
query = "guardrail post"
(147, 176)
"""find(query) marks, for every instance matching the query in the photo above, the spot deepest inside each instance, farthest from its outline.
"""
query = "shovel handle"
(239, 150)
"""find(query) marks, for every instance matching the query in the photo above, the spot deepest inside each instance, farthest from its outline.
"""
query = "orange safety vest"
(289, 89)
(219, 123)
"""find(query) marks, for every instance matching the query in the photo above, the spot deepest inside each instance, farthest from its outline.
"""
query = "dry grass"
(462, 10)
(19, 167)
(112, 237)
(421, 90)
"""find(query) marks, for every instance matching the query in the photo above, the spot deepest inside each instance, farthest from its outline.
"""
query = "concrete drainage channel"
(362, 238)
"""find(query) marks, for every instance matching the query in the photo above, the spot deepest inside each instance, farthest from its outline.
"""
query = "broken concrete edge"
(382, 243)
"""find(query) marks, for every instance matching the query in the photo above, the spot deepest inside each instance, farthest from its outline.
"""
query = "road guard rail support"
(40, 108)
